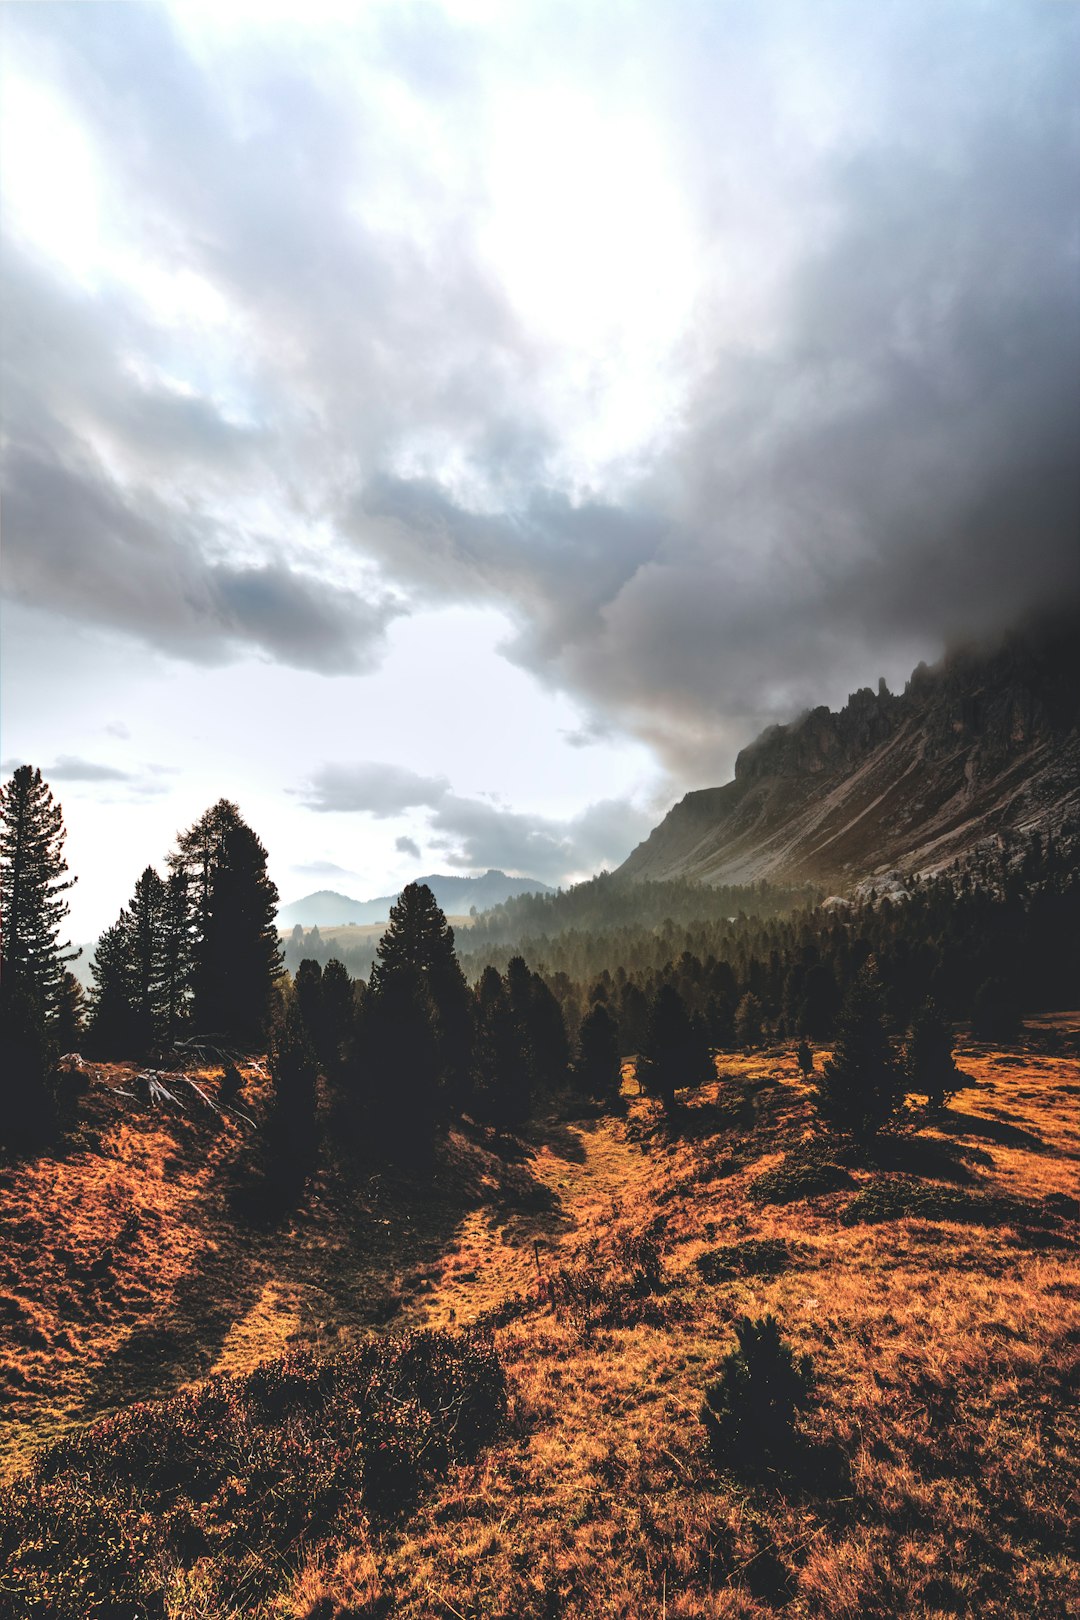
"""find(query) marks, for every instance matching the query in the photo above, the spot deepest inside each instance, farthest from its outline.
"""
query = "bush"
(754, 1257)
(806, 1171)
(750, 1410)
(238, 1470)
(612, 1283)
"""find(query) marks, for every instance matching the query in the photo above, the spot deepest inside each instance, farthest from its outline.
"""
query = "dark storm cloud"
(882, 457)
(407, 846)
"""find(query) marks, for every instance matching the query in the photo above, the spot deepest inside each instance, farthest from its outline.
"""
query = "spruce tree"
(749, 1022)
(674, 1052)
(861, 1085)
(232, 906)
(420, 941)
(112, 1031)
(931, 1068)
(502, 1092)
(33, 881)
(291, 1124)
(598, 1066)
(146, 944)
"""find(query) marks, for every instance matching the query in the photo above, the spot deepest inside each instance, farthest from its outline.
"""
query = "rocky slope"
(985, 744)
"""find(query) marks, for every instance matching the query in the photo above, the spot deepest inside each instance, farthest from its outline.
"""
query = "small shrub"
(899, 1197)
(754, 1257)
(804, 1172)
(612, 1283)
(750, 1409)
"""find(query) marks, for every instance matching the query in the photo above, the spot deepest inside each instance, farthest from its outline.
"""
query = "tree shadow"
(931, 1157)
(1000, 1131)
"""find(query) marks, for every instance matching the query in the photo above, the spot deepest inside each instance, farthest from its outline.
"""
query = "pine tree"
(146, 945)
(748, 1022)
(861, 1085)
(33, 881)
(931, 1068)
(232, 904)
(804, 1056)
(28, 1114)
(69, 1028)
(112, 1029)
(674, 1052)
(291, 1124)
(598, 1066)
(502, 1093)
(419, 939)
(175, 954)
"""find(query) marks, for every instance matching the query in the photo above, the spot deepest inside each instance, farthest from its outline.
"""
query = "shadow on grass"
(993, 1130)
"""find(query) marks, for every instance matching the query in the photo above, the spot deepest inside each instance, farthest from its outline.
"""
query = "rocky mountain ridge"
(454, 893)
(986, 744)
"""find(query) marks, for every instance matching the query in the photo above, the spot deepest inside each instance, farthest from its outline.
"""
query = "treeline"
(996, 952)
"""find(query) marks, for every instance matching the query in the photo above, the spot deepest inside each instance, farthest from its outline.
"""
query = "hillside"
(934, 1288)
(985, 744)
(327, 908)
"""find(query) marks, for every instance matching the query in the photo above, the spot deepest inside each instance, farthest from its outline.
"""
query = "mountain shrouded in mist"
(327, 909)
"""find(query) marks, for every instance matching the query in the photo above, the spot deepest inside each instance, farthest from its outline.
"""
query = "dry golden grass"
(937, 1475)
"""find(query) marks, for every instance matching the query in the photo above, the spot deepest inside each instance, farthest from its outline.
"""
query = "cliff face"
(984, 743)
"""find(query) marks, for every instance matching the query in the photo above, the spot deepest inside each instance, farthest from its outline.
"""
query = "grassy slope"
(937, 1473)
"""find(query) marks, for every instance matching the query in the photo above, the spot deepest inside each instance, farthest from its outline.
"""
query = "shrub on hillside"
(238, 1471)
(753, 1257)
(750, 1409)
(804, 1172)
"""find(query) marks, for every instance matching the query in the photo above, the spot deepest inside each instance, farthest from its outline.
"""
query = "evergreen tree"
(995, 1012)
(819, 1004)
(598, 1065)
(28, 1114)
(69, 1029)
(861, 1085)
(146, 945)
(804, 1056)
(420, 941)
(112, 1030)
(502, 1093)
(674, 1052)
(33, 882)
(337, 1004)
(291, 1124)
(400, 1064)
(235, 956)
(931, 1068)
(749, 1022)
(175, 955)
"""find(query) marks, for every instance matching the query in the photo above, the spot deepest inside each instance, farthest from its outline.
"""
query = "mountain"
(455, 895)
(985, 743)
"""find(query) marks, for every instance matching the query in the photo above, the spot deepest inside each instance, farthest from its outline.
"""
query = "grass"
(935, 1475)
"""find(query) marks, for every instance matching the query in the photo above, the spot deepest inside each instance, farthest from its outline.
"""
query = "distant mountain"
(456, 895)
(986, 743)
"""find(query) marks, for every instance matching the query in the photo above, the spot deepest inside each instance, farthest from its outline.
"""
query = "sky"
(452, 430)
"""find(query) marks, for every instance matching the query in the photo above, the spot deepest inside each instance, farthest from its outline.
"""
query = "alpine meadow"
(540, 810)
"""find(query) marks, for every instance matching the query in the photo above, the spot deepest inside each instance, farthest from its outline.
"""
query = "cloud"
(117, 728)
(476, 834)
(407, 846)
(381, 790)
(69, 768)
(308, 382)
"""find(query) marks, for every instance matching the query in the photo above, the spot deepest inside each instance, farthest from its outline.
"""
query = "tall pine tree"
(861, 1085)
(33, 881)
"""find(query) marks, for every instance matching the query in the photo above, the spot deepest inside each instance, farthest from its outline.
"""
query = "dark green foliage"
(502, 1093)
(749, 1022)
(674, 1052)
(146, 947)
(398, 1067)
(291, 1125)
(240, 1472)
(805, 1058)
(419, 944)
(543, 1029)
(598, 1065)
(928, 1058)
(751, 1408)
(804, 1172)
(861, 1085)
(238, 958)
(111, 1030)
(68, 1030)
(29, 1115)
(995, 1014)
(33, 881)
(819, 1003)
(753, 1257)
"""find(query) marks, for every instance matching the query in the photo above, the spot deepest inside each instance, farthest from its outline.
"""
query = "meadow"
(599, 1263)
